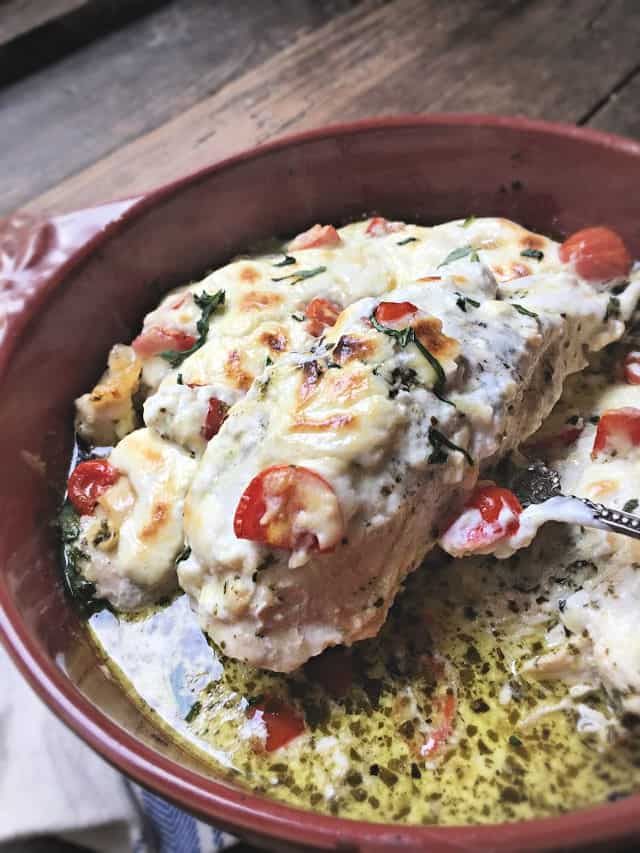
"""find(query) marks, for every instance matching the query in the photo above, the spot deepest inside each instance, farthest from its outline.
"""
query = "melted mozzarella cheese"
(503, 361)
(107, 414)
(385, 425)
(136, 533)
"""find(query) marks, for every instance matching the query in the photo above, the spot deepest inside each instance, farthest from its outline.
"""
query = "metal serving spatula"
(537, 483)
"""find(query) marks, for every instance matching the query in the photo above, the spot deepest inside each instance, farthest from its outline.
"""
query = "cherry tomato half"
(321, 313)
(155, 340)
(314, 238)
(618, 429)
(389, 312)
(598, 254)
(216, 414)
(291, 507)
(499, 510)
(379, 226)
(88, 481)
(281, 721)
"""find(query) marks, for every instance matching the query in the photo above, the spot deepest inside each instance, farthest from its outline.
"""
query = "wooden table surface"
(97, 103)
(102, 99)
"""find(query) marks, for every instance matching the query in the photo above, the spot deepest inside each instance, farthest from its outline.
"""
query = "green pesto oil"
(460, 629)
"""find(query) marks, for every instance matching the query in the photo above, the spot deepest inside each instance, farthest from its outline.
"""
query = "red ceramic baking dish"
(72, 285)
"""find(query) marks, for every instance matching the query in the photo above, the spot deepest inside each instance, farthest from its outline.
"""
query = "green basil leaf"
(532, 253)
(207, 303)
(300, 275)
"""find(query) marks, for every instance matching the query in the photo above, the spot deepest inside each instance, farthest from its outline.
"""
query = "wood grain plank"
(60, 120)
(621, 111)
(287, 91)
(34, 33)
(18, 17)
(409, 56)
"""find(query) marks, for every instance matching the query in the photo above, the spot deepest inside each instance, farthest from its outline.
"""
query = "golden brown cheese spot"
(533, 241)
(104, 394)
(429, 332)
(333, 422)
(276, 341)
(346, 387)
(603, 488)
(256, 300)
(430, 278)
(152, 456)
(350, 347)
(159, 516)
(235, 373)
(249, 274)
(121, 379)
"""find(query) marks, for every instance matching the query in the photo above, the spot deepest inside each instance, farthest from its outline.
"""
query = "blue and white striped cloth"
(52, 785)
(167, 829)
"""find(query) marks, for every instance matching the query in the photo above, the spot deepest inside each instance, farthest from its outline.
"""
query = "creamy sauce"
(510, 755)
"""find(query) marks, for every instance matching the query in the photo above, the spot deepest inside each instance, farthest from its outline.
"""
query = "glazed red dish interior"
(73, 285)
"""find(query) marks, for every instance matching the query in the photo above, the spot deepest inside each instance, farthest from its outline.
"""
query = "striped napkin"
(52, 785)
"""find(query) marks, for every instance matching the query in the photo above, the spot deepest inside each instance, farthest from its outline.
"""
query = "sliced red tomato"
(390, 312)
(291, 507)
(88, 481)
(632, 368)
(490, 514)
(155, 340)
(446, 709)
(281, 721)
(314, 238)
(618, 429)
(379, 226)
(216, 414)
(321, 313)
(598, 254)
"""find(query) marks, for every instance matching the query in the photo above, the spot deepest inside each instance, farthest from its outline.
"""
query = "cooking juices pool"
(430, 722)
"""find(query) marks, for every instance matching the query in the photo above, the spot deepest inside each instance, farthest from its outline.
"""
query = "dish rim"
(214, 800)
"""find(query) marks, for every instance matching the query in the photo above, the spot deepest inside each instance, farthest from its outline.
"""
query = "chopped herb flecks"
(207, 303)
(407, 240)
(408, 336)
(524, 311)
(183, 555)
(613, 308)
(299, 318)
(193, 712)
(300, 275)
(439, 442)
(82, 591)
(285, 262)
(463, 301)
(469, 221)
(459, 253)
(536, 254)
(630, 506)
